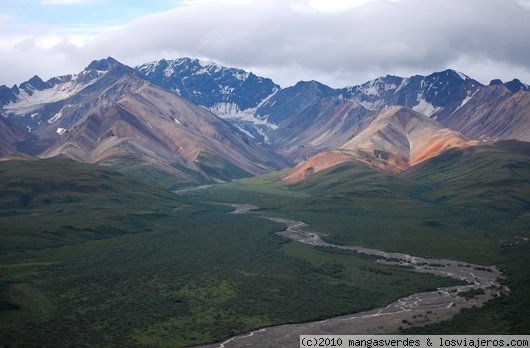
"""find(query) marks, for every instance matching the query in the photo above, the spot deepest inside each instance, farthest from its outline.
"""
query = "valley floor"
(414, 310)
(93, 257)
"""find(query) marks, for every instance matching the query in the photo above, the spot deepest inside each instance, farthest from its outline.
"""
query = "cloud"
(66, 2)
(337, 42)
(330, 6)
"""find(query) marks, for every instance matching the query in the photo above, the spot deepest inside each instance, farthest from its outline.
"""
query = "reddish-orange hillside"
(399, 138)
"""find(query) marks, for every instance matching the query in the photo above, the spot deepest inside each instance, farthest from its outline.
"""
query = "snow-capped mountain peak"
(440, 92)
(227, 92)
(34, 92)
(462, 75)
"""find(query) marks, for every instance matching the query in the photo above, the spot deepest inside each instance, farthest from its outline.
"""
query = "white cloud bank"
(337, 42)
(67, 2)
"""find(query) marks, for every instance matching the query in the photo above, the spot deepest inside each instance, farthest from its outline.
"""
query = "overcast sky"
(337, 42)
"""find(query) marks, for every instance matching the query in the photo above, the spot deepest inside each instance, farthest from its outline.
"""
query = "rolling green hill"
(491, 176)
(53, 203)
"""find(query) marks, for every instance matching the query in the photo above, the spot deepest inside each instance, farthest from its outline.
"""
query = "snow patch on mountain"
(464, 102)
(403, 83)
(208, 62)
(375, 105)
(29, 100)
(58, 115)
(169, 71)
(241, 75)
(469, 96)
(148, 68)
(231, 111)
(461, 75)
(246, 132)
(225, 91)
(370, 89)
(226, 110)
(264, 134)
(426, 108)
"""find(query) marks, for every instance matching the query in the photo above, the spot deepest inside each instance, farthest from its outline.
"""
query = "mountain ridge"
(225, 91)
(296, 122)
(113, 115)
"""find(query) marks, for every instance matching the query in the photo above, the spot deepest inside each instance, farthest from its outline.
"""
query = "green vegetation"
(93, 257)
(54, 203)
(354, 204)
(219, 168)
(472, 293)
(470, 205)
(152, 176)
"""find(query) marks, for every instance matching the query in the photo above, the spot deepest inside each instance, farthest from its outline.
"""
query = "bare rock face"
(9, 136)
(325, 125)
(495, 113)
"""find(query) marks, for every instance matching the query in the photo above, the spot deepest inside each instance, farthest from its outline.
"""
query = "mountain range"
(110, 114)
(202, 122)
(310, 117)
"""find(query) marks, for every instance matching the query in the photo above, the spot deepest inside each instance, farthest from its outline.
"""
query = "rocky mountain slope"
(402, 138)
(326, 124)
(9, 136)
(499, 111)
(309, 117)
(350, 109)
(496, 112)
(110, 114)
(436, 95)
(398, 138)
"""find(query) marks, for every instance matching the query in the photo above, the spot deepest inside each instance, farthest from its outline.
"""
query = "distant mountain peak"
(313, 84)
(436, 95)
(35, 81)
(34, 84)
(103, 64)
(32, 94)
(514, 85)
(226, 91)
(456, 73)
(496, 82)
